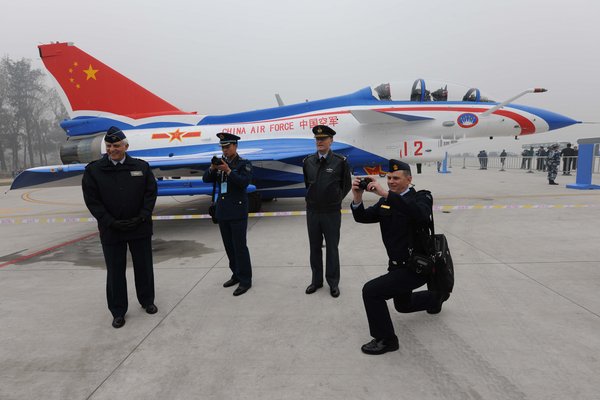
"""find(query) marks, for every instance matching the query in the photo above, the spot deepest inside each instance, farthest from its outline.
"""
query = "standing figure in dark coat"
(232, 175)
(327, 178)
(400, 212)
(120, 192)
(568, 156)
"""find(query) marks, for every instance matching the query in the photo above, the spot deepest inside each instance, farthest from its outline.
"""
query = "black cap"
(322, 131)
(226, 138)
(114, 135)
(396, 165)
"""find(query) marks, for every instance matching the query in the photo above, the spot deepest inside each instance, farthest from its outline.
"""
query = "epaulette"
(340, 156)
(308, 156)
(425, 193)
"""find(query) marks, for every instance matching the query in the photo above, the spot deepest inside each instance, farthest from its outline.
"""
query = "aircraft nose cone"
(557, 121)
(554, 120)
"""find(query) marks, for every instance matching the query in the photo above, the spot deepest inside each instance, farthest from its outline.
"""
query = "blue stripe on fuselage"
(362, 97)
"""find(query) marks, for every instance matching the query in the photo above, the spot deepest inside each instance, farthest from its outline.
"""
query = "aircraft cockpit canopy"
(422, 91)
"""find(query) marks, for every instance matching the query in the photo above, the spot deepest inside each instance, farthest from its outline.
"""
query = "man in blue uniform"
(120, 192)
(400, 212)
(232, 174)
(327, 178)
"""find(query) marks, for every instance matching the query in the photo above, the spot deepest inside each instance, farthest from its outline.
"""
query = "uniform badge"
(137, 173)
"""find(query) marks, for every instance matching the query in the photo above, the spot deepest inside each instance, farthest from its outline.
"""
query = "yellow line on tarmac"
(444, 208)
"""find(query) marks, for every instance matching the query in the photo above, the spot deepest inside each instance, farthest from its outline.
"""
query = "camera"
(363, 183)
(216, 161)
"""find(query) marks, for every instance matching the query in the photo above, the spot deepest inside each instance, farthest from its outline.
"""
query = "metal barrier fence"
(518, 162)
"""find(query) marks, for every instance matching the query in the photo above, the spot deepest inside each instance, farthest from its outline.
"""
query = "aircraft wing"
(50, 176)
(291, 150)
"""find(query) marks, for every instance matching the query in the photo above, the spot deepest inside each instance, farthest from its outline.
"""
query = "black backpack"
(436, 245)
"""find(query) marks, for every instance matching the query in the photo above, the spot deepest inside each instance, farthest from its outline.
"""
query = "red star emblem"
(376, 170)
(175, 135)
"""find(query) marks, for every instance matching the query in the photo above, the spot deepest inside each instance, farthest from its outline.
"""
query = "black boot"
(551, 182)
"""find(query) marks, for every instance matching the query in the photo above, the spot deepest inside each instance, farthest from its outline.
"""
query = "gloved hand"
(125, 225)
(120, 225)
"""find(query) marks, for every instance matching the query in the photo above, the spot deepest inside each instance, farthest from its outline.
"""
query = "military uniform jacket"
(234, 203)
(399, 217)
(328, 182)
(553, 157)
(568, 152)
(120, 192)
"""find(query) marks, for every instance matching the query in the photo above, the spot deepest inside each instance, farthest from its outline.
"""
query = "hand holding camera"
(216, 161)
(363, 183)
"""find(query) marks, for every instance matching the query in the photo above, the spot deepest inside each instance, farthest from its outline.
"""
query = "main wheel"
(254, 202)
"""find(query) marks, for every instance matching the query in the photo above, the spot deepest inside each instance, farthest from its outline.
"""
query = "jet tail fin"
(90, 85)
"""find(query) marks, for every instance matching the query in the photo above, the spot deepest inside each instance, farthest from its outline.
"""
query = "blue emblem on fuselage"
(467, 120)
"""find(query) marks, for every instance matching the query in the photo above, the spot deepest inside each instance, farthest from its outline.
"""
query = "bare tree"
(30, 114)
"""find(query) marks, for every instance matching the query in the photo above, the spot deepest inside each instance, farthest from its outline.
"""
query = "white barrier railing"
(517, 162)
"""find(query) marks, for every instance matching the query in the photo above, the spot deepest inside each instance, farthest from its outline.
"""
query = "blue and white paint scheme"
(408, 121)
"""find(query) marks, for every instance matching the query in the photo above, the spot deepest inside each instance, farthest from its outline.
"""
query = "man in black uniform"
(327, 178)
(232, 174)
(120, 192)
(567, 155)
(400, 212)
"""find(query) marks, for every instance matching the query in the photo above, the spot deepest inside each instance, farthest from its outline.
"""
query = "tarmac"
(523, 321)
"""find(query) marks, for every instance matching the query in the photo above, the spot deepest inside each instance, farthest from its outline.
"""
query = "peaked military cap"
(396, 165)
(114, 135)
(322, 131)
(226, 138)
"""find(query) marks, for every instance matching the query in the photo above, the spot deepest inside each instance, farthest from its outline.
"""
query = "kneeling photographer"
(400, 212)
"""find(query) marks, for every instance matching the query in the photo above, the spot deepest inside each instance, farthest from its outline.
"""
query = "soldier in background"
(567, 155)
(553, 161)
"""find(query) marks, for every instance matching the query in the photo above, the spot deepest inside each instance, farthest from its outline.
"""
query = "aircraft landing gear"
(254, 202)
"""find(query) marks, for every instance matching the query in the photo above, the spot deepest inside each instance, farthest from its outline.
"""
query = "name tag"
(330, 170)
(224, 188)
(137, 173)
(385, 206)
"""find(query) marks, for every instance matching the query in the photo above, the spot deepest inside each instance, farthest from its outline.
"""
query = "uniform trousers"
(566, 165)
(233, 233)
(397, 284)
(115, 256)
(324, 225)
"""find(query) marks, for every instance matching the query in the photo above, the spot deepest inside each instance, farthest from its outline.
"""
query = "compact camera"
(216, 161)
(364, 182)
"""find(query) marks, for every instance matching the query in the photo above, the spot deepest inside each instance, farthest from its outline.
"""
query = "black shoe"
(443, 297)
(151, 309)
(231, 282)
(240, 290)
(552, 183)
(118, 322)
(380, 346)
(312, 288)
(335, 292)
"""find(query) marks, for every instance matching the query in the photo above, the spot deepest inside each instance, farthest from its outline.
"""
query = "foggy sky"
(219, 57)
